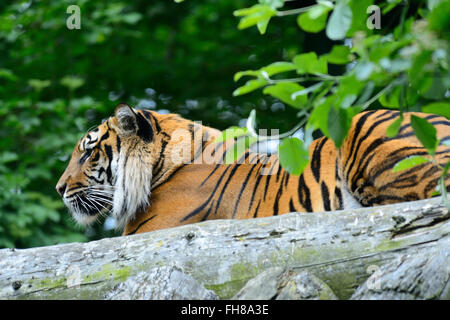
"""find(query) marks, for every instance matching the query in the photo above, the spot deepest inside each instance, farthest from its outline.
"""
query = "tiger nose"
(61, 188)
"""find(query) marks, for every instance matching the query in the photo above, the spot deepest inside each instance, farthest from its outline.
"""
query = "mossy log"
(341, 248)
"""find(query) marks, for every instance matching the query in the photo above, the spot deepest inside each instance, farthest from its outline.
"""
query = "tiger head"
(111, 168)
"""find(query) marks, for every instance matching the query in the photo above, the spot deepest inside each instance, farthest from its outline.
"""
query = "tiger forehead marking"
(153, 171)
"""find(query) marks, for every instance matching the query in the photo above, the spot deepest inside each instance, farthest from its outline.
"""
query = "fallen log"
(341, 248)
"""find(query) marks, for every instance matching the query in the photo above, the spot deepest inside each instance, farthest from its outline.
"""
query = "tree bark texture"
(401, 250)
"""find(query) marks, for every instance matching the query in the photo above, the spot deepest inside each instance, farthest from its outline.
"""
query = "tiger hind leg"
(375, 183)
(368, 156)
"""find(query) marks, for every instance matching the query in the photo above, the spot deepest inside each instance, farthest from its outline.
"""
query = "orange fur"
(360, 172)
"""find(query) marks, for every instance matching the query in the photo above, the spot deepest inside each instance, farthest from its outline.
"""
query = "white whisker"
(94, 205)
(104, 188)
(83, 203)
(109, 193)
(96, 202)
(76, 207)
(101, 198)
(91, 203)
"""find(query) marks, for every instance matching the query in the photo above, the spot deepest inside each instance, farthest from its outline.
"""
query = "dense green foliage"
(396, 55)
(55, 83)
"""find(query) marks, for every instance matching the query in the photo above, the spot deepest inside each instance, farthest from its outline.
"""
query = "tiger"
(153, 171)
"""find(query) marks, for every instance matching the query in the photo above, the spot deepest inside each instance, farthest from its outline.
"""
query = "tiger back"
(151, 182)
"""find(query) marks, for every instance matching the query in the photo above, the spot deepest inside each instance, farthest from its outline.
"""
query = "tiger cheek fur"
(132, 186)
(134, 171)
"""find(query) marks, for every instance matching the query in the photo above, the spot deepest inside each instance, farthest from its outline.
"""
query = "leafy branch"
(409, 63)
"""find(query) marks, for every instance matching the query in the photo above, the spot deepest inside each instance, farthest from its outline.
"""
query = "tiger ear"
(131, 122)
(126, 118)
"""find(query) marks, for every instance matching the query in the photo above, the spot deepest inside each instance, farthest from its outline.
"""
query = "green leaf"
(326, 3)
(339, 22)
(294, 155)
(305, 91)
(8, 156)
(38, 84)
(132, 17)
(319, 116)
(315, 19)
(436, 89)
(391, 99)
(441, 108)
(284, 91)
(411, 95)
(278, 67)
(303, 61)
(72, 82)
(267, 71)
(257, 14)
(433, 3)
(272, 3)
(366, 93)
(418, 65)
(231, 133)
(240, 74)
(339, 121)
(409, 163)
(359, 16)
(348, 90)
(425, 132)
(363, 70)
(249, 86)
(247, 11)
(309, 63)
(251, 120)
(262, 25)
(7, 74)
(393, 128)
(339, 55)
(438, 19)
(321, 66)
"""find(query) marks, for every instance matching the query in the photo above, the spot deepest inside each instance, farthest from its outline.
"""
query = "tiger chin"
(153, 171)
